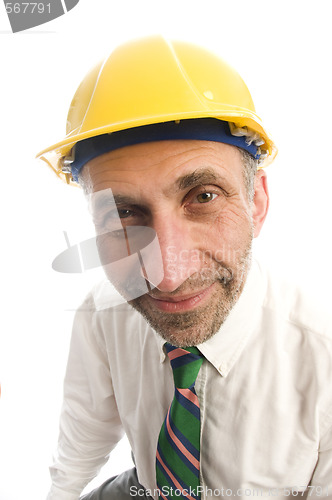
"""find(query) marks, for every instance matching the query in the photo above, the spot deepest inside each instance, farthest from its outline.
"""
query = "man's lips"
(180, 303)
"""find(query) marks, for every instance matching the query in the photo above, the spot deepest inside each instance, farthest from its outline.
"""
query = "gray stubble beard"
(196, 326)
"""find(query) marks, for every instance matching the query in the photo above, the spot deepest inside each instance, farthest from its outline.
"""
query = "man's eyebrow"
(198, 177)
(123, 199)
(109, 200)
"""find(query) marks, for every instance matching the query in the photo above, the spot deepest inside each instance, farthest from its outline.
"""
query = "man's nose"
(179, 255)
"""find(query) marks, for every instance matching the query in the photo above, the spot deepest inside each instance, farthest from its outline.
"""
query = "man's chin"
(187, 328)
(179, 329)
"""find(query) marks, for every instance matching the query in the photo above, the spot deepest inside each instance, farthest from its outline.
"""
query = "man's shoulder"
(297, 305)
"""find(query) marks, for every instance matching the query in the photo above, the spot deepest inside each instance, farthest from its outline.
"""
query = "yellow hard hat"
(151, 81)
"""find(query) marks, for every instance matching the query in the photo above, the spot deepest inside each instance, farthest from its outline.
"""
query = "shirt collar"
(224, 348)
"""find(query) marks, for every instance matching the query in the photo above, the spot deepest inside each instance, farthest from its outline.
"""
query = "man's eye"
(124, 213)
(206, 197)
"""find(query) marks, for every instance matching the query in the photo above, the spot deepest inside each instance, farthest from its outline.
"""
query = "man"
(165, 142)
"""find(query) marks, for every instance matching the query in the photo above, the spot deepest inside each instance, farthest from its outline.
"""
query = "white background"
(283, 51)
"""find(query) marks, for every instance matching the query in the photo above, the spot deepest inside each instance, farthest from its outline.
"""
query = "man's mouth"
(181, 302)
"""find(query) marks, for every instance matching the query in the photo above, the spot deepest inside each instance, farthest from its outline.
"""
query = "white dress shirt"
(265, 392)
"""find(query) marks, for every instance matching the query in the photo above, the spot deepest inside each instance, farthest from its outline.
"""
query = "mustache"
(204, 278)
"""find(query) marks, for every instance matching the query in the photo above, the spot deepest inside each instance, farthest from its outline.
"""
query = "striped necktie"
(177, 463)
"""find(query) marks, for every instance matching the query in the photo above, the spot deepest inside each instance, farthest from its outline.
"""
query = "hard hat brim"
(53, 154)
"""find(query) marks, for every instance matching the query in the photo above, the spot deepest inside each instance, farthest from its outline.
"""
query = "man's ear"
(260, 202)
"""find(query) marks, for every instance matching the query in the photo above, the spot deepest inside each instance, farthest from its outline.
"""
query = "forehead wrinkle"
(106, 161)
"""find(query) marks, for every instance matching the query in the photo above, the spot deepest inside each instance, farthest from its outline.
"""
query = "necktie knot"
(186, 363)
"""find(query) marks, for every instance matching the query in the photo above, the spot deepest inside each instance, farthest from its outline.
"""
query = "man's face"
(192, 194)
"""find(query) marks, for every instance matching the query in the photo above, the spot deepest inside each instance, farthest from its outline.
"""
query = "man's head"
(171, 131)
(194, 194)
